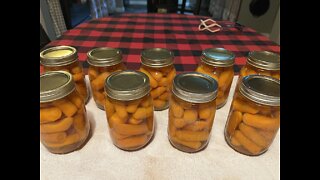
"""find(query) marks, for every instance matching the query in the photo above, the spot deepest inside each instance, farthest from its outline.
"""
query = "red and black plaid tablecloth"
(179, 33)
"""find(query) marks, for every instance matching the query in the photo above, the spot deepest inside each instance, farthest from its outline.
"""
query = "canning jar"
(129, 109)
(64, 126)
(102, 62)
(192, 111)
(157, 64)
(218, 63)
(65, 58)
(254, 116)
(262, 63)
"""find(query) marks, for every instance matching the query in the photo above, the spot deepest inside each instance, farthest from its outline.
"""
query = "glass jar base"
(71, 147)
(241, 152)
(136, 148)
(187, 149)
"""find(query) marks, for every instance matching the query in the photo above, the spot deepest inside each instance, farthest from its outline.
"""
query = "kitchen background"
(57, 16)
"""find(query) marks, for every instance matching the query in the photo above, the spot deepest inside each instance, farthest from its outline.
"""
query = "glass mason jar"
(262, 63)
(102, 62)
(129, 109)
(192, 111)
(65, 58)
(254, 117)
(218, 63)
(64, 126)
(157, 64)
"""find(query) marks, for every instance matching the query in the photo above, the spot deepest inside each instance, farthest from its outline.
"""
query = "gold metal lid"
(104, 56)
(195, 87)
(219, 57)
(261, 89)
(127, 85)
(264, 60)
(55, 85)
(157, 57)
(58, 56)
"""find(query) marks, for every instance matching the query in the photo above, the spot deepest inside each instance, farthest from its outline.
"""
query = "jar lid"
(58, 56)
(195, 87)
(127, 85)
(261, 89)
(218, 57)
(104, 56)
(264, 60)
(55, 85)
(157, 57)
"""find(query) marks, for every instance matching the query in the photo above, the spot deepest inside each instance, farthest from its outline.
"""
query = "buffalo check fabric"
(179, 33)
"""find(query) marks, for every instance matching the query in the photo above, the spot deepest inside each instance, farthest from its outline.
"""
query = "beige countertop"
(100, 159)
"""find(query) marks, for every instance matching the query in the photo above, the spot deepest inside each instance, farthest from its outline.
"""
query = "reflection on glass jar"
(157, 64)
(192, 111)
(102, 62)
(65, 58)
(129, 109)
(218, 63)
(63, 120)
(254, 116)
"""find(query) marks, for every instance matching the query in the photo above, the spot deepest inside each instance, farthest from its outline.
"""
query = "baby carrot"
(190, 144)
(98, 83)
(247, 143)
(190, 115)
(68, 108)
(49, 114)
(128, 129)
(192, 135)
(234, 120)
(58, 126)
(241, 106)
(132, 142)
(262, 122)
(153, 82)
(253, 135)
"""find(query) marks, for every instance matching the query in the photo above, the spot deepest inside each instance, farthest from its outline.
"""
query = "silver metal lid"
(157, 57)
(195, 87)
(264, 60)
(127, 85)
(104, 56)
(261, 89)
(58, 56)
(55, 85)
(219, 57)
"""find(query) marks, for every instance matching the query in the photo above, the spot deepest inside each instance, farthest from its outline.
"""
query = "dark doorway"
(135, 6)
(75, 12)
